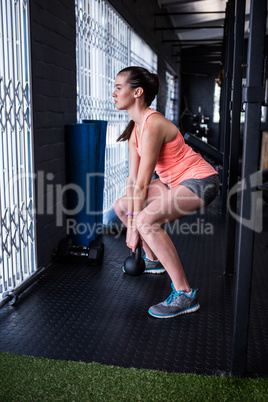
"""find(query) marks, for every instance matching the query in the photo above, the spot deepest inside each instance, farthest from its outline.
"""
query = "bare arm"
(134, 162)
(152, 140)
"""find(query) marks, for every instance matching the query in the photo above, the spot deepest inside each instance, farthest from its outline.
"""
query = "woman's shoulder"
(154, 119)
(154, 114)
(157, 122)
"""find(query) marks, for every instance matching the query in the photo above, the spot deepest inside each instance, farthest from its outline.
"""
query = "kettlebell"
(134, 265)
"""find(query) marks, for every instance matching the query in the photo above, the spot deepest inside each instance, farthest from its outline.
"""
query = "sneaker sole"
(151, 271)
(155, 271)
(186, 311)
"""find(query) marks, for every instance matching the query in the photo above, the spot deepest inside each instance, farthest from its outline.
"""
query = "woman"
(186, 183)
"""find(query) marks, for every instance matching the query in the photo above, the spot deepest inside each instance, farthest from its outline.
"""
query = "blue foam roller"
(81, 161)
(100, 132)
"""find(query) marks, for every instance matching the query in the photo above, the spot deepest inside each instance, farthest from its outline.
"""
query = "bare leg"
(172, 205)
(156, 189)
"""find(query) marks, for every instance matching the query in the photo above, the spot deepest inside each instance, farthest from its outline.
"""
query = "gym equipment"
(264, 185)
(134, 264)
(203, 147)
(85, 154)
(11, 296)
(99, 155)
(81, 167)
(93, 253)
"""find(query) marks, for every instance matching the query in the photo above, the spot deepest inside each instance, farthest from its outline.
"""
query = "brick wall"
(54, 106)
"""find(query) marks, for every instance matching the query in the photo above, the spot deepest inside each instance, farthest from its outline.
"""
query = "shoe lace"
(172, 296)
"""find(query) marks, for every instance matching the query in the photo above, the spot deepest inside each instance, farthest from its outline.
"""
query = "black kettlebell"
(134, 265)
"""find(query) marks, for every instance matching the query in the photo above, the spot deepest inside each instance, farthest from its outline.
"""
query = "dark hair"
(139, 77)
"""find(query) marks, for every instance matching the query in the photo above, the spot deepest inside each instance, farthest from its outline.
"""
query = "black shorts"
(206, 189)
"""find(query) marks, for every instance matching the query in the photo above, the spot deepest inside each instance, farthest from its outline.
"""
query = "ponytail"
(125, 136)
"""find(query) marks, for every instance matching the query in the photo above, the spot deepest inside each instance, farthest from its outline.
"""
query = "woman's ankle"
(152, 259)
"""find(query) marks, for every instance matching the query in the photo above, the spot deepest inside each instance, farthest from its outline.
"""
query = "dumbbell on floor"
(94, 252)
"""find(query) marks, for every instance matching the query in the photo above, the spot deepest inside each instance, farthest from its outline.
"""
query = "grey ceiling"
(199, 28)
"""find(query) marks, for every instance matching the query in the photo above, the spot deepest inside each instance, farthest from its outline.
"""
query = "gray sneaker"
(176, 304)
(151, 267)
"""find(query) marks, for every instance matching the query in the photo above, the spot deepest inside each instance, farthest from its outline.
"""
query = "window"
(217, 97)
(105, 45)
(171, 111)
(17, 204)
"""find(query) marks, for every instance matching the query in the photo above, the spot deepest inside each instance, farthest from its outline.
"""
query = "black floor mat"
(97, 313)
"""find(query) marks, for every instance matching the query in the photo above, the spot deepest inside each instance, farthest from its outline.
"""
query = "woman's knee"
(120, 206)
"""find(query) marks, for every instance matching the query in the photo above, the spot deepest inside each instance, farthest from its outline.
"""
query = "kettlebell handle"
(137, 253)
(134, 265)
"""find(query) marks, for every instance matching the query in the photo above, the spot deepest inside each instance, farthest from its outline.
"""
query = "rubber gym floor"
(97, 313)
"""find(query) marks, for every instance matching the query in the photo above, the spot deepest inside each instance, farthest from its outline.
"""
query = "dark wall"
(198, 91)
(53, 39)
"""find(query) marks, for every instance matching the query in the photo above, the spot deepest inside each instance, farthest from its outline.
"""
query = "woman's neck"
(137, 114)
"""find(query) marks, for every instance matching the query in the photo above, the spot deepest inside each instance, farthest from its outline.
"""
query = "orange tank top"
(177, 161)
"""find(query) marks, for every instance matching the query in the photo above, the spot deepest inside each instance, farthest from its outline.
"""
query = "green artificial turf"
(24, 378)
